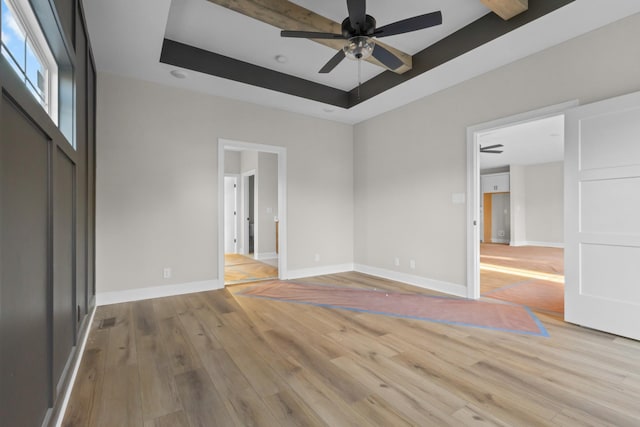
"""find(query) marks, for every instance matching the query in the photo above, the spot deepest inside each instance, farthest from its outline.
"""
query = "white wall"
(232, 162)
(157, 182)
(408, 162)
(517, 187)
(267, 206)
(544, 187)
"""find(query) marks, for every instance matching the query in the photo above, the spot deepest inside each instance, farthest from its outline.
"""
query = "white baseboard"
(266, 255)
(544, 244)
(422, 282)
(114, 297)
(503, 241)
(74, 370)
(318, 271)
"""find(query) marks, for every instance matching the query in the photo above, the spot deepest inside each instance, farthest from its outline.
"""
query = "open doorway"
(517, 203)
(252, 209)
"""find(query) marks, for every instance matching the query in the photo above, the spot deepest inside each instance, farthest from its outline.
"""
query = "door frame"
(473, 182)
(281, 153)
(238, 193)
(244, 207)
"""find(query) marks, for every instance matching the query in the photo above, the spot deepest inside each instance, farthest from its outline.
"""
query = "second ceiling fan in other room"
(491, 149)
(360, 29)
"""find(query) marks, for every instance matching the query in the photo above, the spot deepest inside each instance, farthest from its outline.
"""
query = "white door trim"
(473, 183)
(281, 152)
(237, 209)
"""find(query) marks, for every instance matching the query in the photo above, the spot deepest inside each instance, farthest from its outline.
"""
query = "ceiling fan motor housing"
(367, 29)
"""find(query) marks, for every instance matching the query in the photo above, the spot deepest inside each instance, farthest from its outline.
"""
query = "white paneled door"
(602, 215)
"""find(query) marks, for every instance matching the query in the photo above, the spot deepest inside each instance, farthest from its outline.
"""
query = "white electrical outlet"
(166, 272)
(396, 262)
(412, 264)
(317, 258)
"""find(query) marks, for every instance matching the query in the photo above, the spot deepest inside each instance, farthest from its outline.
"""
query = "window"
(26, 49)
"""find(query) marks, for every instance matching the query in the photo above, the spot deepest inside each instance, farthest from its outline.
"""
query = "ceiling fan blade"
(357, 13)
(491, 151)
(333, 62)
(310, 35)
(387, 58)
(489, 147)
(410, 24)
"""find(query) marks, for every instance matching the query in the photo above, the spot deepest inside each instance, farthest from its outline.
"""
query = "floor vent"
(107, 323)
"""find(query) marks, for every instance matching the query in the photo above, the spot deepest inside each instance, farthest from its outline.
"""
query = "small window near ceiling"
(27, 51)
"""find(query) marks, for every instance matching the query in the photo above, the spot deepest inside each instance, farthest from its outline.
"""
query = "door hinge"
(235, 186)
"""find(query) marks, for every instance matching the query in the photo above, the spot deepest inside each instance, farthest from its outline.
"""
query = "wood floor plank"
(215, 358)
(175, 419)
(119, 402)
(81, 410)
(247, 409)
(416, 408)
(290, 410)
(472, 416)
(122, 345)
(182, 357)
(203, 406)
(157, 386)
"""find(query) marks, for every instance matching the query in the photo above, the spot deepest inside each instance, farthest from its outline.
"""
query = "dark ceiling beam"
(286, 15)
(462, 41)
(479, 32)
(204, 61)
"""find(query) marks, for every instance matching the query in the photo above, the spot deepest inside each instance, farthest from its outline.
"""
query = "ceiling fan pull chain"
(359, 77)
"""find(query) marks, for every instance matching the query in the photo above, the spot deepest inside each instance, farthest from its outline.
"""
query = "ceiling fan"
(360, 29)
(491, 149)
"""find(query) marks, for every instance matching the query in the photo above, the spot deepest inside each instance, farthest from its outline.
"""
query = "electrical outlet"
(412, 264)
(396, 262)
(166, 273)
(317, 258)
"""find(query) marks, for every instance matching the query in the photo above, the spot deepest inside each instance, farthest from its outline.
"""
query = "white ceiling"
(127, 38)
(529, 143)
(208, 26)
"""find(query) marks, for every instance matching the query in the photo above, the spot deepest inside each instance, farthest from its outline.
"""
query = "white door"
(602, 215)
(230, 215)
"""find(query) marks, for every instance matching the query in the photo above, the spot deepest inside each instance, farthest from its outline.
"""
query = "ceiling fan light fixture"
(359, 47)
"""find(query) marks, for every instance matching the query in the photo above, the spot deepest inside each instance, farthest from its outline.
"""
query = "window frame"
(36, 40)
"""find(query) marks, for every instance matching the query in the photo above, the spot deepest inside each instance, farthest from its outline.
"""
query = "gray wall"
(517, 187)
(232, 162)
(157, 182)
(544, 187)
(408, 162)
(46, 223)
(267, 206)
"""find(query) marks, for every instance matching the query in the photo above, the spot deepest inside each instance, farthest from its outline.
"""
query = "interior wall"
(157, 182)
(410, 161)
(544, 186)
(267, 206)
(232, 162)
(517, 188)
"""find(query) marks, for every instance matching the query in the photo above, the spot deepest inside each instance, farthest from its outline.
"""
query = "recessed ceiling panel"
(211, 27)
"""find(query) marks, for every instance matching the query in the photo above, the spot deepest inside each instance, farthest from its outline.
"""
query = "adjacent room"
(522, 214)
(338, 213)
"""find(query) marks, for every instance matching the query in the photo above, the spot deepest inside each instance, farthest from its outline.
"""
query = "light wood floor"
(241, 269)
(526, 275)
(215, 359)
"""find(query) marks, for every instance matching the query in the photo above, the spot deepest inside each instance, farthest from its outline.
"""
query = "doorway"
(257, 251)
(515, 242)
